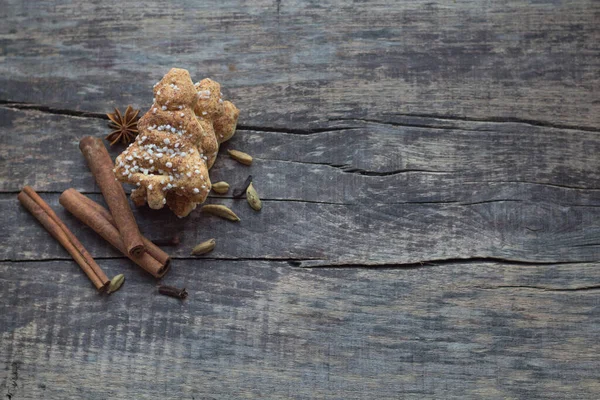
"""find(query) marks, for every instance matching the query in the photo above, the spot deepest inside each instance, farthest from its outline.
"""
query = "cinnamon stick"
(153, 260)
(101, 166)
(59, 231)
(151, 248)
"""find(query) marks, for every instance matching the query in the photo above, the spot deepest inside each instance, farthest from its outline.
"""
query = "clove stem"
(173, 291)
(241, 191)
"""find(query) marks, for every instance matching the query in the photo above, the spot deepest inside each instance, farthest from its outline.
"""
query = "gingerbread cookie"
(177, 143)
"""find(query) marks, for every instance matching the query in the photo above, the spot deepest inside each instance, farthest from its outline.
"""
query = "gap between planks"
(313, 262)
(440, 202)
(492, 119)
(446, 263)
(541, 288)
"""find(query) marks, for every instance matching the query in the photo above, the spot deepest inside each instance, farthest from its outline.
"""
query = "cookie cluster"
(177, 144)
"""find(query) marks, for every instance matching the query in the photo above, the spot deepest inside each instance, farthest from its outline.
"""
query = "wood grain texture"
(291, 63)
(437, 161)
(256, 329)
(394, 195)
(326, 234)
(361, 162)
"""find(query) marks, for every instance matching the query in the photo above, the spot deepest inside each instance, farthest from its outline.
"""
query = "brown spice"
(101, 166)
(124, 126)
(173, 291)
(46, 216)
(241, 191)
(153, 260)
(151, 248)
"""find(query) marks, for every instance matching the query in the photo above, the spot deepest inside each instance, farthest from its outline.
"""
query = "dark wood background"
(430, 173)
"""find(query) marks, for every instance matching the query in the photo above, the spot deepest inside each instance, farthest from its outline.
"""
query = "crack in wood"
(183, 258)
(333, 203)
(491, 201)
(14, 379)
(407, 124)
(461, 203)
(212, 197)
(556, 185)
(281, 200)
(541, 288)
(294, 131)
(364, 172)
(270, 259)
(352, 170)
(492, 119)
(308, 262)
(431, 263)
(90, 114)
(51, 110)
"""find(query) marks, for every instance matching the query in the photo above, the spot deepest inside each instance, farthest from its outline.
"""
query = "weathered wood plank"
(370, 163)
(333, 234)
(257, 329)
(505, 191)
(292, 63)
(386, 133)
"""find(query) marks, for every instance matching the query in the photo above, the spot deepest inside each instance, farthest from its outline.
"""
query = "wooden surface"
(430, 174)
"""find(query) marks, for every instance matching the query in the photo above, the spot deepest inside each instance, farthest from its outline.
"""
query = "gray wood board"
(295, 64)
(451, 145)
(258, 329)
(373, 162)
(329, 234)
(494, 190)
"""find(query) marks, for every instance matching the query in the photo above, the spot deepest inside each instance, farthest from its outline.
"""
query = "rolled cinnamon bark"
(59, 231)
(151, 248)
(101, 166)
(154, 260)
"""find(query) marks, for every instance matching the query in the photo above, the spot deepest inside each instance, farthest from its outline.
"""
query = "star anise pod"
(124, 126)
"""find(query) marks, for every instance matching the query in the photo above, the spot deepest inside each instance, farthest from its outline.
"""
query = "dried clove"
(173, 291)
(239, 192)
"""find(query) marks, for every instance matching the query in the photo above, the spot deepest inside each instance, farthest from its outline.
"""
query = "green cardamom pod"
(220, 211)
(115, 283)
(220, 187)
(204, 247)
(253, 198)
(240, 157)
